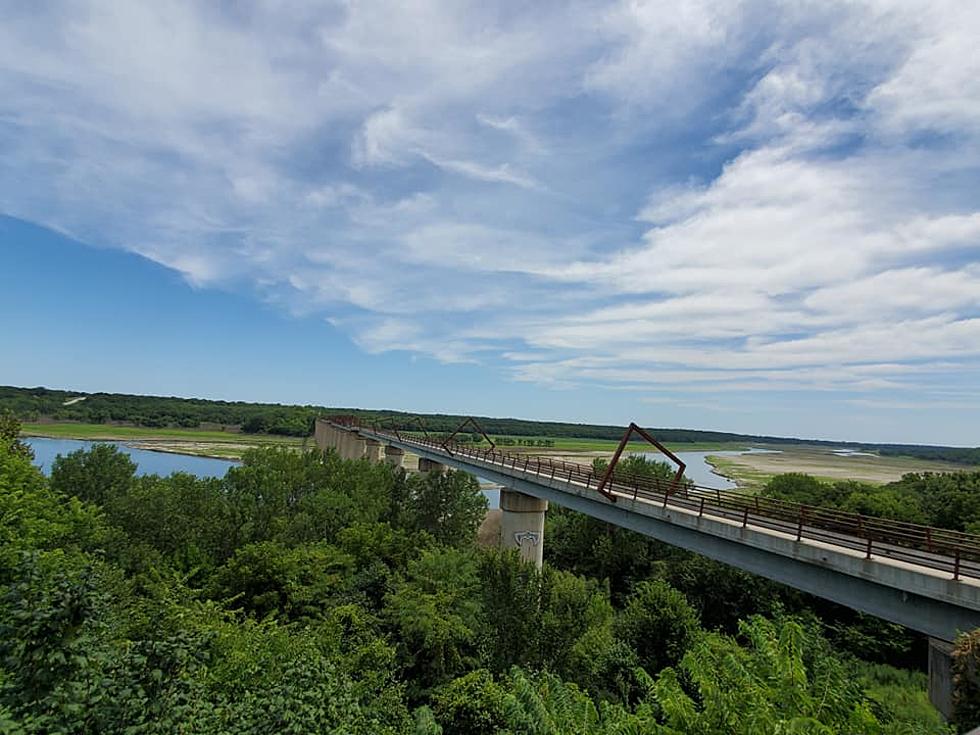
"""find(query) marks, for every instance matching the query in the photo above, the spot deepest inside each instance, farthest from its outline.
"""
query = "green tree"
(268, 578)
(797, 487)
(94, 475)
(449, 506)
(765, 688)
(966, 680)
(658, 623)
(185, 520)
(434, 614)
(10, 435)
(472, 704)
(34, 518)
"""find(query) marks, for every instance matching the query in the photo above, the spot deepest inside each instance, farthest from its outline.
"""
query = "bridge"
(924, 578)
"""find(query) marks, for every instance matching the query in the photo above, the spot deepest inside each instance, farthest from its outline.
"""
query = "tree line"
(304, 593)
(31, 404)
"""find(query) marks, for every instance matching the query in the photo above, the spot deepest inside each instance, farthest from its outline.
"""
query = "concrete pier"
(394, 456)
(372, 450)
(941, 676)
(427, 465)
(355, 445)
(522, 524)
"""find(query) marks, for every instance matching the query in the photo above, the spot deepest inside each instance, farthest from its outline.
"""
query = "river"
(700, 472)
(147, 462)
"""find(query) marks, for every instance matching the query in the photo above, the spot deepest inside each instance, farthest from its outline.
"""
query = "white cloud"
(696, 196)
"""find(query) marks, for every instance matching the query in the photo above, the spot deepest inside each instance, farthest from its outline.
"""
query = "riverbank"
(193, 442)
(752, 471)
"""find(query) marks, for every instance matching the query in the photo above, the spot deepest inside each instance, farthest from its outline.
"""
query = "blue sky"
(747, 216)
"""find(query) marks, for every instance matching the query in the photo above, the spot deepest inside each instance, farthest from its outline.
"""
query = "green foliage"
(472, 704)
(449, 506)
(94, 475)
(588, 547)
(797, 487)
(268, 578)
(304, 593)
(33, 517)
(188, 521)
(549, 619)
(966, 680)
(721, 595)
(947, 500)
(658, 623)
(778, 684)
(899, 700)
(380, 555)
(10, 433)
(434, 613)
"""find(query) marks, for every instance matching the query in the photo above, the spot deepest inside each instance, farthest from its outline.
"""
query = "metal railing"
(941, 549)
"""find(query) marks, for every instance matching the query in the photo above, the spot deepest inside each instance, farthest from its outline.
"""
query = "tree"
(434, 613)
(448, 505)
(95, 475)
(10, 435)
(33, 517)
(785, 681)
(268, 578)
(188, 521)
(966, 681)
(797, 487)
(472, 704)
(721, 594)
(588, 547)
(658, 623)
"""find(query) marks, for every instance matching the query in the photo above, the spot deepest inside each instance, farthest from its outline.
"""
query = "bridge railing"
(937, 548)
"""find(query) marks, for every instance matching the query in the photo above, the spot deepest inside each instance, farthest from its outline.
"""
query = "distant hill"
(34, 404)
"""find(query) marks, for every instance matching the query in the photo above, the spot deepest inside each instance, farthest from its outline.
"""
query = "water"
(700, 472)
(492, 492)
(148, 462)
(853, 453)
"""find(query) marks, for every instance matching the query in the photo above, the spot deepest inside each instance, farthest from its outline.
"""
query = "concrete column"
(394, 456)
(325, 437)
(372, 450)
(427, 465)
(941, 676)
(346, 444)
(522, 524)
(355, 445)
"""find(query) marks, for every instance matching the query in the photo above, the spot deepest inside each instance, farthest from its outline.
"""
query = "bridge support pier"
(522, 524)
(372, 450)
(325, 436)
(394, 456)
(354, 445)
(427, 465)
(941, 676)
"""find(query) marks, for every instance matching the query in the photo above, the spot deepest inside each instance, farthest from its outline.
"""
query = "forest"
(32, 404)
(302, 593)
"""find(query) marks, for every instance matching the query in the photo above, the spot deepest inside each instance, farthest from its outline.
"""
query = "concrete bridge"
(926, 579)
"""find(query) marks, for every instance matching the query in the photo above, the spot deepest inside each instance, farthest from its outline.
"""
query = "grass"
(745, 477)
(752, 471)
